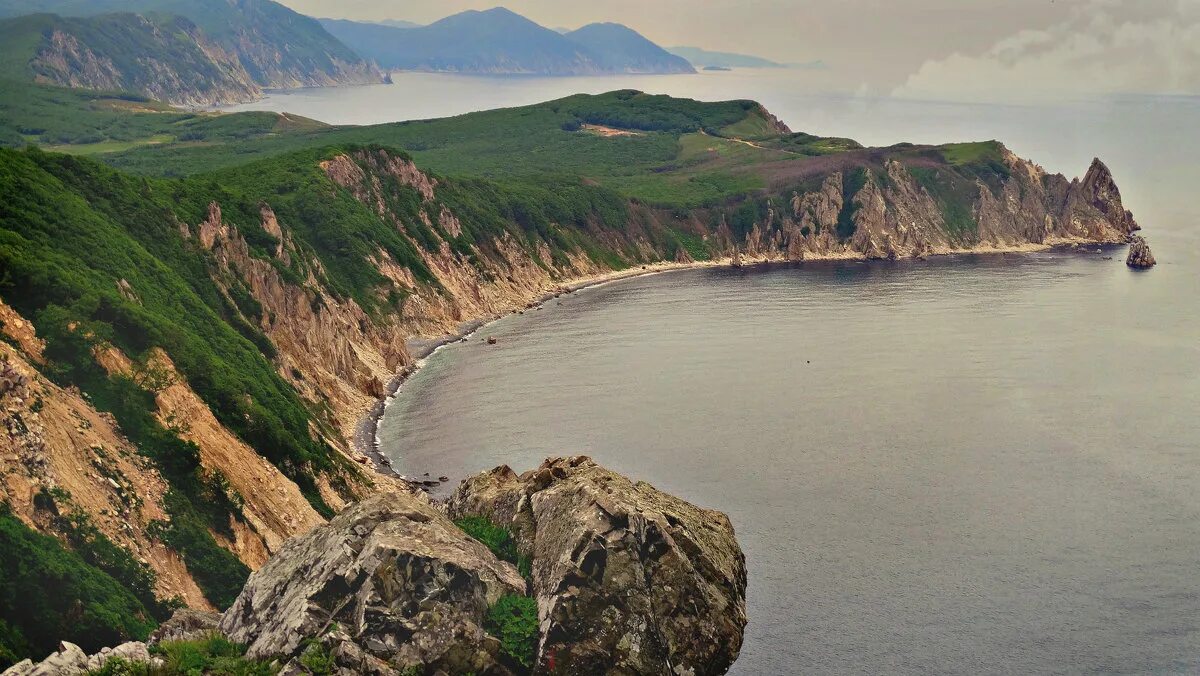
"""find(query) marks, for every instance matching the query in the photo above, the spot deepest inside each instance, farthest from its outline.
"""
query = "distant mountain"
(703, 58)
(399, 23)
(499, 41)
(622, 49)
(275, 46)
(167, 58)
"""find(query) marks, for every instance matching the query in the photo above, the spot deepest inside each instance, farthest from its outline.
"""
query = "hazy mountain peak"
(499, 41)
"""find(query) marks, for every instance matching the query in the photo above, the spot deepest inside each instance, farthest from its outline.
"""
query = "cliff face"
(171, 61)
(895, 215)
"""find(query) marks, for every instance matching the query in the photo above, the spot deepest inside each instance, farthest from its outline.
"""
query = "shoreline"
(366, 430)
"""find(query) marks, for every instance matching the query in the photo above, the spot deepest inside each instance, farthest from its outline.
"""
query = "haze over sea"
(966, 465)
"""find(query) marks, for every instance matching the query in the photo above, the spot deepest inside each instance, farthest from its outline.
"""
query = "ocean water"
(983, 464)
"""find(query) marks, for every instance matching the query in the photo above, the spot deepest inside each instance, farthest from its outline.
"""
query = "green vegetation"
(813, 146)
(82, 122)
(498, 539)
(211, 656)
(959, 154)
(852, 182)
(96, 549)
(954, 193)
(316, 660)
(513, 620)
(49, 594)
(266, 37)
(630, 109)
(141, 54)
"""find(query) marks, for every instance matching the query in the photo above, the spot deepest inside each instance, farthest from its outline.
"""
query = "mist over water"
(966, 465)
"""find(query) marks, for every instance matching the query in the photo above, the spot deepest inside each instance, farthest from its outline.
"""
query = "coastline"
(366, 431)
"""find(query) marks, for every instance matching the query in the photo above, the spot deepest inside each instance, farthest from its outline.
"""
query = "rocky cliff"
(906, 210)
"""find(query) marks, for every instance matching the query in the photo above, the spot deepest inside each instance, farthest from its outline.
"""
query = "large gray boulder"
(628, 579)
(388, 585)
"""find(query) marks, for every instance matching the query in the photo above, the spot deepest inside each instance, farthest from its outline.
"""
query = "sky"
(921, 48)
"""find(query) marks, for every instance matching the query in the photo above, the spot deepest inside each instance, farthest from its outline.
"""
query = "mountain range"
(191, 52)
(499, 41)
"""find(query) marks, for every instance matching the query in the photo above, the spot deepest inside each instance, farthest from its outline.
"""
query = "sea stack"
(1140, 256)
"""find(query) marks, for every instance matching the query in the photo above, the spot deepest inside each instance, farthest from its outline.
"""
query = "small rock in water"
(1140, 256)
(492, 340)
(443, 479)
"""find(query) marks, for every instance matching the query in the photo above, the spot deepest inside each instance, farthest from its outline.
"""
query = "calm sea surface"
(968, 465)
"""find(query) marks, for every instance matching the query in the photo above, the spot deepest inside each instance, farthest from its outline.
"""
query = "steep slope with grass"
(166, 58)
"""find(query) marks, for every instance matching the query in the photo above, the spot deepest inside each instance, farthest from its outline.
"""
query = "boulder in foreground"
(628, 579)
(389, 584)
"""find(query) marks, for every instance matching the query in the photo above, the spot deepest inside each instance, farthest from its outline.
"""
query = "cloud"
(1105, 47)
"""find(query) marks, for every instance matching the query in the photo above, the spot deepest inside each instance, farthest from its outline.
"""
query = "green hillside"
(274, 45)
(165, 57)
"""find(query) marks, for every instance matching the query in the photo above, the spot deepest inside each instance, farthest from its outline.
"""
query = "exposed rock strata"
(55, 441)
(897, 217)
(625, 576)
(273, 506)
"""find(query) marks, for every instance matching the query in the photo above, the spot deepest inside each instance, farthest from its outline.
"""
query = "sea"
(973, 464)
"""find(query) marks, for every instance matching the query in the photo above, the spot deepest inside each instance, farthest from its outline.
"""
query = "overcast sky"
(910, 47)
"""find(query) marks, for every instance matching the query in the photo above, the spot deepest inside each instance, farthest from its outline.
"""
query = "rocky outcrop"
(389, 584)
(186, 625)
(1139, 254)
(912, 209)
(71, 660)
(628, 579)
